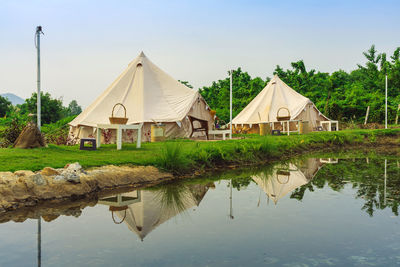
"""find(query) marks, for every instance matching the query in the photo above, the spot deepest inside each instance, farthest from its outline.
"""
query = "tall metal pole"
(230, 202)
(38, 107)
(386, 96)
(38, 104)
(230, 105)
(39, 243)
(384, 185)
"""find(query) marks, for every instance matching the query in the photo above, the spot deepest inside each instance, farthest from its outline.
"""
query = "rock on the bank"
(71, 173)
(26, 188)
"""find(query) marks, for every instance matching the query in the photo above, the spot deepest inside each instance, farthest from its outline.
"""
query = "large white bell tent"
(149, 95)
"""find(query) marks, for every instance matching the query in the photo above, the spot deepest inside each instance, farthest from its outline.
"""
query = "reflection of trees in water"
(367, 179)
(177, 197)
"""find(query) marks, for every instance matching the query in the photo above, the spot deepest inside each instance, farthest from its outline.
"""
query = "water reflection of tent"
(157, 206)
(286, 178)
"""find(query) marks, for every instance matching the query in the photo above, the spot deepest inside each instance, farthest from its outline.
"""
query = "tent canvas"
(149, 95)
(264, 107)
(144, 216)
(285, 179)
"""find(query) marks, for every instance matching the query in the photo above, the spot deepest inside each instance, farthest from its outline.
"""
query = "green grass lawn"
(185, 154)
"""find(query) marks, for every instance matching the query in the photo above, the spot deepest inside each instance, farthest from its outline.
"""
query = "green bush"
(57, 133)
(173, 159)
(12, 131)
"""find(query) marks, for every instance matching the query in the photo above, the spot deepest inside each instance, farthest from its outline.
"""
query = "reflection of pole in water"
(230, 200)
(39, 243)
(384, 188)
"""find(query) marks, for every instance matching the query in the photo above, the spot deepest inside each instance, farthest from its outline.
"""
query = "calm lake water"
(310, 212)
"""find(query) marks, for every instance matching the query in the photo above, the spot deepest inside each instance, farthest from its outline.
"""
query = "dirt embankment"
(26, 188)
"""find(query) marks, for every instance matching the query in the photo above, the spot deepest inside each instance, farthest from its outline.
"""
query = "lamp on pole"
(37, 44)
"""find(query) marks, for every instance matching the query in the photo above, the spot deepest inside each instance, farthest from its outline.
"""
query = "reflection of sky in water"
(324, 228)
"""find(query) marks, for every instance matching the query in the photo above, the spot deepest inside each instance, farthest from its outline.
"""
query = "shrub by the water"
(172, 158)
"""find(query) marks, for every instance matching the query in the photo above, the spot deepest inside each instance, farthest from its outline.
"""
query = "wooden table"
(288, 126)
(223, 132)
(119, 128)
(329, 123)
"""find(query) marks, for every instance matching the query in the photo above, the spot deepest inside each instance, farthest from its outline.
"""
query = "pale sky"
(87, 44)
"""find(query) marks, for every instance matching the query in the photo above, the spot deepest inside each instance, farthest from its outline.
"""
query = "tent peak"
(142, 54)
(276, 77)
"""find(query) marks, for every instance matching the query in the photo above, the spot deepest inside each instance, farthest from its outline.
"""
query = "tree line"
(52, 109)
(340, 95)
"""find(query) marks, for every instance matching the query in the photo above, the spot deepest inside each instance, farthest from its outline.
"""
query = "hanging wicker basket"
(284, 174)
(283, 118)
(118, 120)
(113, 209)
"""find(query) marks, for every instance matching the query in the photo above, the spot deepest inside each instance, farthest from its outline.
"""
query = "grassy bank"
(184, 155)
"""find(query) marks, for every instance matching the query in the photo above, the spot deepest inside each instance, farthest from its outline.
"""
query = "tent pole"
(230, 105)
(386, 95)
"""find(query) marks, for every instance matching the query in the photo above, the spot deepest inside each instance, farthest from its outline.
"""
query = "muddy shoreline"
(24, 196)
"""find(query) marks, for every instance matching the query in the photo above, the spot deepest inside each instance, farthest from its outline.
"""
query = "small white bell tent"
(275, 96)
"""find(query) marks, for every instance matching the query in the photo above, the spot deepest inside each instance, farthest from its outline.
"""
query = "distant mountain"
(14, 99)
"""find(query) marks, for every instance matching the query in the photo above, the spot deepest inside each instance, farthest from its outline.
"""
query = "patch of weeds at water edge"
(246, 151)
(172, 158)
(372, 137)
(202, 157)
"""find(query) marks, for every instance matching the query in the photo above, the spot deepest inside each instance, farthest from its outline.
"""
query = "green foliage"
(5, 106)
(172, 158)
(51, 109)
(182, 155)
(186, 83)
(340, 95)
(367, 178)
(57, 133)
(173, 196)
(73, 109)
(12, 131)
(244, 89)
(63, 123)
